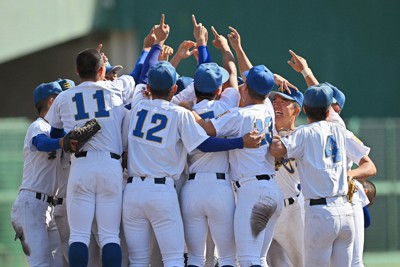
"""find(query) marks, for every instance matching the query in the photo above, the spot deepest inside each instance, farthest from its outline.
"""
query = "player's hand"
(166, 51)
(187, 105)
(297, 62)
(234, 38)
(103, 56)
(219, 42)
(149, 40)
(196, 54)
(161, 31)
(283, 84)
(199, 32)
(252, 139)
(186, 49)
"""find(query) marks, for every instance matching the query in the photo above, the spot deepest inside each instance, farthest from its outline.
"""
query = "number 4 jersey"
(103, 100)
(319, 149)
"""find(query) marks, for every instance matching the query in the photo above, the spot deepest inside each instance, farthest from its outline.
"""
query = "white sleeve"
(53, 115)
(36, 128)
(191, 133)
(294, 144)
(355, 148)
(138, 94)
(227, 124)
(127, 83)
(231, 97)
(186, 94)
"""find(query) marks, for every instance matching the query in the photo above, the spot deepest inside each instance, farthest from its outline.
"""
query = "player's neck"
(287, 125)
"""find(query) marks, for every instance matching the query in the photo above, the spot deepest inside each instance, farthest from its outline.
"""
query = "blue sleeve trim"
(151, 60)
(45, 144)
(213, 144)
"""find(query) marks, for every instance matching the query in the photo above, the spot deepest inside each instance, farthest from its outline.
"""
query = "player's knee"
(78, 254)
(111, 255)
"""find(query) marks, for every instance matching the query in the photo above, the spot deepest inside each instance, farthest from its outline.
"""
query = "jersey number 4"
(159, 120)
(332, 150)
(80, 106)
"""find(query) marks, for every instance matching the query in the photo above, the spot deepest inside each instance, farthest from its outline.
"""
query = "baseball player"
(320, 154)
(95, 179)
(287, 107)
(357, 151)
(29, 215)
(258, 196)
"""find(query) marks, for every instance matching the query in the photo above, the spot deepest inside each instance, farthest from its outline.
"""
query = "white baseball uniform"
(95, 179)
(355, 151)
(159, 136)
(203, 208)
(253, 175)
(30, 210)
(289, 230)
(320, 154)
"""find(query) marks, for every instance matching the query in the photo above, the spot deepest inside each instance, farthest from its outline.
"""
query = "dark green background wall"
(352, 44)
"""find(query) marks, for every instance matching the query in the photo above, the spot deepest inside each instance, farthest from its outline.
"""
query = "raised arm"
(243, 61)
(299, 64)
(200, 33)
(185, 50)
(228, 60)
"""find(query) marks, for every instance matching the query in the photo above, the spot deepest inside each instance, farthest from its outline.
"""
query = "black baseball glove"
(77, 138)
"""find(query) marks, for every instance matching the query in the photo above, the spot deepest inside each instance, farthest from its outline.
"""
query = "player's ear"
(173, 91)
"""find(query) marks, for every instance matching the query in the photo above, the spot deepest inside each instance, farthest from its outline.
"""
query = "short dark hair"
(254, 95)
(371, 189)
(318, 114)
(162, 93)
(41, 104)
(88, 62)
(208, 96)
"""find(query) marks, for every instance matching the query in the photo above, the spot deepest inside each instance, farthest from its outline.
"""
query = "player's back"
(160, 136)
(321, 159)
(101, 100)
(217, 162)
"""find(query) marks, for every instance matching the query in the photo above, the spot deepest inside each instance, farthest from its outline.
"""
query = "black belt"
(319, 201)
(43, 196)
(58, 201)
(83, 154)
(156, 180)
(220, 176)
(259, 177)
(290, 201)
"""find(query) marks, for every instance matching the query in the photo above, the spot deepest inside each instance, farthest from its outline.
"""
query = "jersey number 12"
(159, 120)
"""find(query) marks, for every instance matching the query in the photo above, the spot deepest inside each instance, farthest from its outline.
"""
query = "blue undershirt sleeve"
(367, 217)
(139, 65)
(57, 133)
(151, 60)
(204, 55)
(214, 144)
(44, 143)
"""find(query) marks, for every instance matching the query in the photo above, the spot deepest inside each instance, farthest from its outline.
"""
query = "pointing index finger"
(162, 19)
(293, 54)
(194, 20)
(99, 47)
(214, 31)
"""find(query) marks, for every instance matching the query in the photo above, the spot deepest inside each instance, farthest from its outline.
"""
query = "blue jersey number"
(265, 127)
(207, 115)
(80, 106)
(159, 119)
(331, 149)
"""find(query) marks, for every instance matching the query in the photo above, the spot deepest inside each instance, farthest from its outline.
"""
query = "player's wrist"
(306, 72)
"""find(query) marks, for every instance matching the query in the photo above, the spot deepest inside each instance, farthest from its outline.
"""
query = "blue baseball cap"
(260, 79)
(294, 95)
(318, 96)
(162, 76)
(110, 67)
(65, 83)
(44, 90)
(338, 96)
(209, 77)
(183, 82)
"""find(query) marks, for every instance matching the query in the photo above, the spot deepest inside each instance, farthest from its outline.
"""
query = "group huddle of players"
(202, 166)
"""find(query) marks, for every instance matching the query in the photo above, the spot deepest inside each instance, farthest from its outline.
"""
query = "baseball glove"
(352, 188)
(76, 139)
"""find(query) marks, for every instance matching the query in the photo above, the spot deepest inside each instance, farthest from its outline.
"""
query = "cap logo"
(67, 85)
